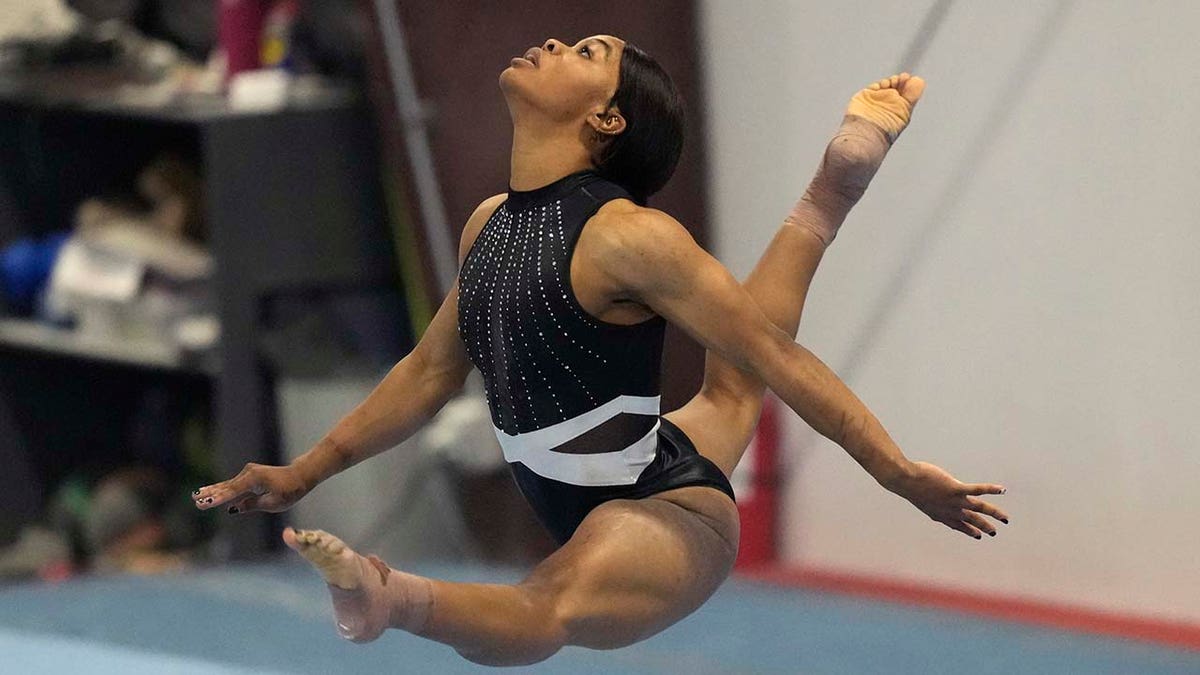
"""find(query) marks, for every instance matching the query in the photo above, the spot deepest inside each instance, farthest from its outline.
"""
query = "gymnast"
(565, 285)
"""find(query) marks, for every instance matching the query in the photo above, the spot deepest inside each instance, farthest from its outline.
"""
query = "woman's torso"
(571, 395)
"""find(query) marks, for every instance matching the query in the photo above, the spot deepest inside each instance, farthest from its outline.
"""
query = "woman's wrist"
(325, 459)
(893, 474)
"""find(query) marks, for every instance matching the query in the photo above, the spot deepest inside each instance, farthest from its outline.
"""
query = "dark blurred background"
(213, 244)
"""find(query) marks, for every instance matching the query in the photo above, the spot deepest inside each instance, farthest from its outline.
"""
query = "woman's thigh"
(634, 567)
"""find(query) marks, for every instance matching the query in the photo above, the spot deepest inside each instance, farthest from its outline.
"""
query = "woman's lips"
(523, 60)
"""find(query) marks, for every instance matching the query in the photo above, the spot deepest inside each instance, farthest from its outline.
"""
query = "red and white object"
(239, 30)
(756, 483)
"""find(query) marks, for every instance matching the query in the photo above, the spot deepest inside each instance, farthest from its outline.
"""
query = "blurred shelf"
(37, 336)
(293, 201)
(99, 91)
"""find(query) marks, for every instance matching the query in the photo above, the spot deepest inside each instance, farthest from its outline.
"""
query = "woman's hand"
(256, 488)
(947, 500)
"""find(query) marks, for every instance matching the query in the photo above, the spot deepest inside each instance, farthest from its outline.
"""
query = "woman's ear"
(608, 123)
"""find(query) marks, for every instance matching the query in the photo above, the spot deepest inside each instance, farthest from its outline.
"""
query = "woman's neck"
(542, 156)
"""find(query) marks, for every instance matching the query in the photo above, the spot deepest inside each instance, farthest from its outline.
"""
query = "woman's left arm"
(653, 260)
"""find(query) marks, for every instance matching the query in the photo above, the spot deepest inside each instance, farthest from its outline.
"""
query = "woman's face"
(565, 81)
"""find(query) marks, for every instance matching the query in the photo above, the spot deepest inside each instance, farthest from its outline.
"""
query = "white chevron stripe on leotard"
(619, 467)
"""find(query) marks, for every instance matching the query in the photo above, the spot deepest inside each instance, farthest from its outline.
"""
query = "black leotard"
(574, 400)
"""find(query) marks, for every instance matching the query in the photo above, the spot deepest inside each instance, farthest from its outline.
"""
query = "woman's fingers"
(986, 508)
(222, 495)
(971, 522)
(963, 527)
(982, 489)
(978, 521)
(207, 495)
(256, 488)
(216, 495)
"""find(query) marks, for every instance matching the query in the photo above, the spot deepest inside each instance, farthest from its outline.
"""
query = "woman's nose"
(551, 45)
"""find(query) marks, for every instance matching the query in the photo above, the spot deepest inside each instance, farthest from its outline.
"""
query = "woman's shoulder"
(621, 209)
(625, 213)
(476, 221)
(624, 226)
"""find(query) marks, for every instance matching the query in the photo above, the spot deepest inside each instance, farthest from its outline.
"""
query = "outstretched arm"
(407, 397)
(649, 258)
(413, 391)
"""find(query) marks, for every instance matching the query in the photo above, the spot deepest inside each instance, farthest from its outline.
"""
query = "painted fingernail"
(1004, 520)
(233, 509)
(992, 534)
(979, 536)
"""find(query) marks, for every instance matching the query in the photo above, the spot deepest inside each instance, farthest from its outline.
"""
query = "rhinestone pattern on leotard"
(543, 358)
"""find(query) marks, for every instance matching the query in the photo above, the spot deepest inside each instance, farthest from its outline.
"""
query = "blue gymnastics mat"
(275, 618)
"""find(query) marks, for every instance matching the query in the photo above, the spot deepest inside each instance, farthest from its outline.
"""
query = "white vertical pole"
(416, 143)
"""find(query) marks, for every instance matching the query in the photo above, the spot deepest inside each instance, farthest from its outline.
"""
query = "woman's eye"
(585, 49)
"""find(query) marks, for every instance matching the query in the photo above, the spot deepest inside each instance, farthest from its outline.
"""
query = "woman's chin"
(509, 78)
(508, 72)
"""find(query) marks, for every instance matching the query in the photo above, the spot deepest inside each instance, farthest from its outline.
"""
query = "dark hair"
(642, 158)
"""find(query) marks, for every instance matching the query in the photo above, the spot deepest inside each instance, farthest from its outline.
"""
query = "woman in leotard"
(565, 284)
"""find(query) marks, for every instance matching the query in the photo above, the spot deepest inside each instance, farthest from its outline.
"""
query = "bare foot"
(368, 596)
(888, 103)
(874, 119)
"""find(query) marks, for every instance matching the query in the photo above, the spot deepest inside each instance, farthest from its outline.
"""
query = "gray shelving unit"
(293, 205)
(39, 337)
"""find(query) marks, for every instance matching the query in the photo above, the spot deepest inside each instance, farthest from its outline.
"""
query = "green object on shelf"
(420, 312)
(72, 499)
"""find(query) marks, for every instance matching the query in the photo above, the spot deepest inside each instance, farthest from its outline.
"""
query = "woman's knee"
(583, 626)
(737, 409)
(733, 388)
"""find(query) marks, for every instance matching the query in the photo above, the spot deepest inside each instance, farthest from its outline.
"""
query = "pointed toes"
(291, 538)
(302, 539)
(313, 540)
(893, 82)
(913, 89)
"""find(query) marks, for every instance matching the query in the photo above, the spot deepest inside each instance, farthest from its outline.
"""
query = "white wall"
(1049, 335)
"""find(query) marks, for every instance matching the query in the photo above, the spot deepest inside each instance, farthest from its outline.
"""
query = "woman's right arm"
(408, 397)
(411, 393)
